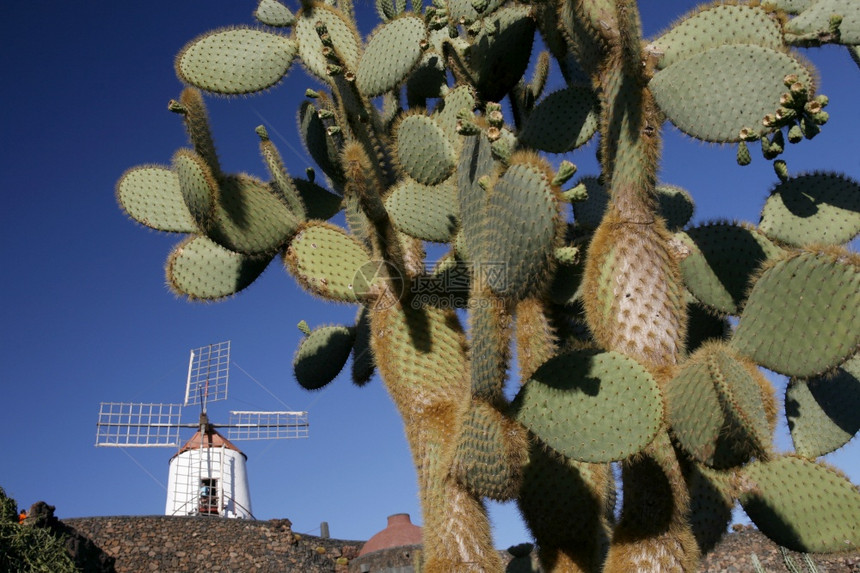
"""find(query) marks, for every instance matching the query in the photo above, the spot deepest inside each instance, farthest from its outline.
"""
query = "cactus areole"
(639, 336)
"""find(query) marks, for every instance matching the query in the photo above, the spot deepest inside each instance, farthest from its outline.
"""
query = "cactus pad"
(423, 150)
(723, 258)
(249, 218)
(675, 205)
(428, 79)
(500, 52)
(802, 505)
(320, 204)
(594, 407)
(822, 329)
(824, 413)
(201, 269)
(236, 60)
(322, 355)
(424, 211)
(819, 208)
(325, 260)
(476, 162)
(151, 195)
(715, 408)
(456, 100)
(562, 121)
(714, 26)
(712, 95)
(793, 6)
(343, 36)
(520, 230)
(817, 16)
(458, 9)
(711, 503)
(391, 52)
(273, 13)
(197, 185)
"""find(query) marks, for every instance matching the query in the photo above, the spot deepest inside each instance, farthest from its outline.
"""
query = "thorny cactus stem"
(620, 317)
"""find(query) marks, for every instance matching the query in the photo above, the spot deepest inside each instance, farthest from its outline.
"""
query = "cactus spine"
(620, 316)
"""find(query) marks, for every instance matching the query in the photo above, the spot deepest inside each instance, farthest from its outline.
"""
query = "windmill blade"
(136, 424)
(267, 425)
(208, 372)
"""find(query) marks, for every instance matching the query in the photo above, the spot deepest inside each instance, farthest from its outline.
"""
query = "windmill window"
(209, 496)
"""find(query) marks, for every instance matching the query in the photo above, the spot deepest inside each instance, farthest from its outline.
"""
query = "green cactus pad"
(197, 185)
(325, 260)
(715, 408)
(713, 26)
(520, 231)
(712, 95)
(802, 505)
(320, 203)
(593, 407)
(249, 217)
(428, 79)
(711, 503)
(562, 121)
(500, 52)
(464, 9)
(456, 100)
(723, 257)
(236, 60)
(819, 208)
(391, 52)
(363, 364)
(824, 413)
(793, 6)
(817, 18)
(423, 150)
(802, 317)
(489, 459)
(675, 205)
(476, 161)
(575, 514)
(200, 269)
(319, 144)
(424, 211)
(322, 355)
(273, 13)
(151, 195)
(343, 36)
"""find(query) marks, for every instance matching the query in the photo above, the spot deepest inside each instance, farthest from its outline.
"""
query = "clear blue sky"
(86, 314)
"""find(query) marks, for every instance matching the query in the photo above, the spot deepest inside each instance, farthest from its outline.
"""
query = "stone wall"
(197, 544)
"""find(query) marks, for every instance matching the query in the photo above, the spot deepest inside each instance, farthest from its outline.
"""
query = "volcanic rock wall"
(191, 544)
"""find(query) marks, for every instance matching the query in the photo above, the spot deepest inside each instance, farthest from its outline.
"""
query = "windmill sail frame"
(207, 474)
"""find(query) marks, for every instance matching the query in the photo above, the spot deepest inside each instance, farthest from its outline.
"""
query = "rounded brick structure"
(400, 531)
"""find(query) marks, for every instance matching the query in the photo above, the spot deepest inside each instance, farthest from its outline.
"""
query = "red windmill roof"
(211, 439)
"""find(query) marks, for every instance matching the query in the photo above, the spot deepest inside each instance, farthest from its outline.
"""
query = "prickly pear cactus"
(639, 337)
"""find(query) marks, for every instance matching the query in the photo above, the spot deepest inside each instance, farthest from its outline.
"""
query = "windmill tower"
(207, 476)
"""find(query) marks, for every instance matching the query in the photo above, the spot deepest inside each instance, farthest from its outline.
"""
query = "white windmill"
(207, 475)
